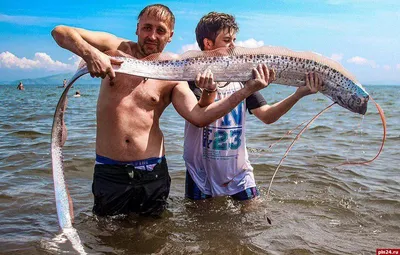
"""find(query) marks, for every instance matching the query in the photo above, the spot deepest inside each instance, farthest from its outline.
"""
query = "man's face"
(225, 38)
(153, 34)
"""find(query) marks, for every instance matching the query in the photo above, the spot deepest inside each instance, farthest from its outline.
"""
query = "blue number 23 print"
(221, 139)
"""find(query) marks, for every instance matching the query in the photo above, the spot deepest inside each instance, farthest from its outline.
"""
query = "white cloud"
(398, 66)
(77, 60)
(387, 67)
(33, 20)
(188, 47)
(362, 61)
(250, 43)
(337, 56)
(40, 61)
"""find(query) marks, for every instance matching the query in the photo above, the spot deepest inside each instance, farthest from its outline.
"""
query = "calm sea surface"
(315, 206)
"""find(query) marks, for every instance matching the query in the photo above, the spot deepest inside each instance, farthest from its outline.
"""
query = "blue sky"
(363, 35)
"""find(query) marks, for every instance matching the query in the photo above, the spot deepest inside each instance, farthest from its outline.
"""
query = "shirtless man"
(131, 173)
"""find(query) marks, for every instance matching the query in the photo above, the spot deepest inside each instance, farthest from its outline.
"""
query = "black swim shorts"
(122, 189)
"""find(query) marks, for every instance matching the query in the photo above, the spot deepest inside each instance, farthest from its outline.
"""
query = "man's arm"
(271, 113)
(186, 104)
(89, 45)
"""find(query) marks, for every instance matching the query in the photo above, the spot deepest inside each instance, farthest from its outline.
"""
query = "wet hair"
(160, 12)
(211, 24)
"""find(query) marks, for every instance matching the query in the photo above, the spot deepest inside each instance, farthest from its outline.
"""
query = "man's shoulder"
(124, 49)
(128, 47)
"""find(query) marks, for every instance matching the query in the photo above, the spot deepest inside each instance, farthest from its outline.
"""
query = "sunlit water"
(315, 207)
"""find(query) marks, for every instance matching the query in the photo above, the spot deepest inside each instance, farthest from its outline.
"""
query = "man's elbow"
(203, 124)
(269, 121)
(200, 123)
(58, 33)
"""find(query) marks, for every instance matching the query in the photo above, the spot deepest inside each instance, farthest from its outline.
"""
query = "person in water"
(64, 83)
(20, 86)
(131, 173)
(77, 93)
(216, 156)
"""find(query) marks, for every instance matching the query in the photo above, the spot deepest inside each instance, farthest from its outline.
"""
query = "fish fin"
(293, 142)
(382, 115)
(71, 205)
(286, 134)
(162, 57)
(267, 50)
(282, 51)
(312, 56)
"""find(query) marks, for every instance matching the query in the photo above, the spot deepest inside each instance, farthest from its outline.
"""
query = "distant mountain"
(56, 79)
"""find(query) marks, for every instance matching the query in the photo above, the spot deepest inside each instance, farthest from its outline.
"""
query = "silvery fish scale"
(289, 71)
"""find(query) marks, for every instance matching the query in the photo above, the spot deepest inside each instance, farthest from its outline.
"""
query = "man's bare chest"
(136, 91)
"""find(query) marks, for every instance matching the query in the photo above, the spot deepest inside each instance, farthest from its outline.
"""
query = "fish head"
(359, 102)
(353, 97)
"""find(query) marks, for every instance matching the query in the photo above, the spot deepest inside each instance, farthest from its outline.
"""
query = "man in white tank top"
(216, 157)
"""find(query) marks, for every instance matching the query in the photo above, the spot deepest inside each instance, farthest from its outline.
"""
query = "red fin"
(382, 115)
(71, 205)
(291, 145)
(287, 133)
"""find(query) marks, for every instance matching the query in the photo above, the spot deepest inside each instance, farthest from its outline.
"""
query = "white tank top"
(216, 156)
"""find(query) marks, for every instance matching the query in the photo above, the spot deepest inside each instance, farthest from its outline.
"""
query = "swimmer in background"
(20, 86)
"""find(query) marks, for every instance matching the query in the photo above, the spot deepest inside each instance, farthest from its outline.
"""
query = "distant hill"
(56, 79)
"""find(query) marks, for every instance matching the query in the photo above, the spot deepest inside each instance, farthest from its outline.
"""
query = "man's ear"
(208, 44)
(137, 28)
(170, 36)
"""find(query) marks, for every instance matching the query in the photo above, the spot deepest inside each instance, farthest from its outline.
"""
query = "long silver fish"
(226, 65)
(236, 64)
(58, 136)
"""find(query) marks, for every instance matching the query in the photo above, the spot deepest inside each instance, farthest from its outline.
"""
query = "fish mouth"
(364, 105)
(361, 102)
(363, 109)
